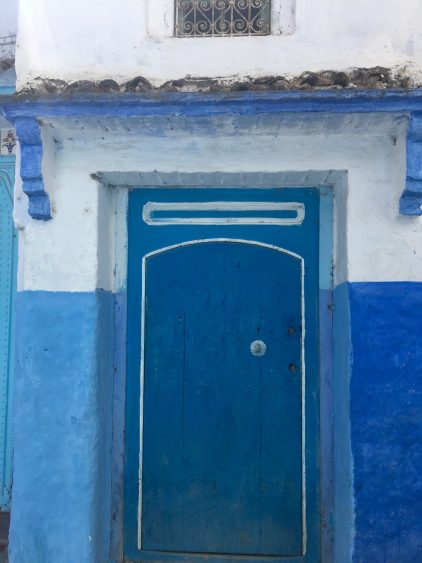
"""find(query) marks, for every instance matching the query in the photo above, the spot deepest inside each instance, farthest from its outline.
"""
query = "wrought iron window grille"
(222, 18)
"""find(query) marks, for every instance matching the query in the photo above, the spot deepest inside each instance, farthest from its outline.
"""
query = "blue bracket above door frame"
(29, 134)
(411, 198)
(26, 113)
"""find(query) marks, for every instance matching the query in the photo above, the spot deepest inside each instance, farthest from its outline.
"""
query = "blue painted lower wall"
(343, 459)
(63, 418)
(386, 421)
(69, 365)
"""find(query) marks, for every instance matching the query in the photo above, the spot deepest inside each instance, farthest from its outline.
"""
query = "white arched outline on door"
(142, 363)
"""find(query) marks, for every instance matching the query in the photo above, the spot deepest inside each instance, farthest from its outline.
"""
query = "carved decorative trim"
(29, 135)
(411, 199)
(8, 142)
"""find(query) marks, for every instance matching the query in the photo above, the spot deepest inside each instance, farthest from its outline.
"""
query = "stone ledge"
(364, 78)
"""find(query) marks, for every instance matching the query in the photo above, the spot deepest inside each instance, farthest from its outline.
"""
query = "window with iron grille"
(222, 18)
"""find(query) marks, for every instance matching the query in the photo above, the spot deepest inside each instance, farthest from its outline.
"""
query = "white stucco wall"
(85, 39)
(77, 250)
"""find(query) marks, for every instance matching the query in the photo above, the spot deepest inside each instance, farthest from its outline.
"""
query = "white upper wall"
(78, 249)
(89, 39)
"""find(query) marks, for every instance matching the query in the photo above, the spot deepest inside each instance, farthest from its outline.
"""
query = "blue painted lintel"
(29, 135)
(217, 103)
(408, 102)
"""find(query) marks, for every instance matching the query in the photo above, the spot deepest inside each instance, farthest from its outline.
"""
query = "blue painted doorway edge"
(8, 280)
(326, 483)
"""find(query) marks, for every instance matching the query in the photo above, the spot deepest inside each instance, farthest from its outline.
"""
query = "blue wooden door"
(8, 267)
(222, 428)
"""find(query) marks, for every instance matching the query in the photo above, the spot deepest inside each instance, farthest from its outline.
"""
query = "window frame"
(239, 12)
(160, 21)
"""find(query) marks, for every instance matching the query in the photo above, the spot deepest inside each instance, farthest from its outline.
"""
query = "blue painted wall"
(119, 401)
(343, 459)
(386, 421)
(63, 427)
(66, 357)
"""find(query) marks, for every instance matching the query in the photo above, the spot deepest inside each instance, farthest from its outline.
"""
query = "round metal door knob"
(258, 348)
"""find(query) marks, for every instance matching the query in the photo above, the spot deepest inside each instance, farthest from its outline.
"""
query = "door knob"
(258, 348)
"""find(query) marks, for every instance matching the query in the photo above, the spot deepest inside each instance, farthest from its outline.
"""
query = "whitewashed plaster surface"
(88, 39)
(76, 250)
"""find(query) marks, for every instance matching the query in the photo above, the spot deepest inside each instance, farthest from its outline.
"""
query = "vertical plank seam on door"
(141, 404)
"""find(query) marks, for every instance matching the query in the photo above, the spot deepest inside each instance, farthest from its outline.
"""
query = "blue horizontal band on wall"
(63, 424)
(386, 420)
(218, 103)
